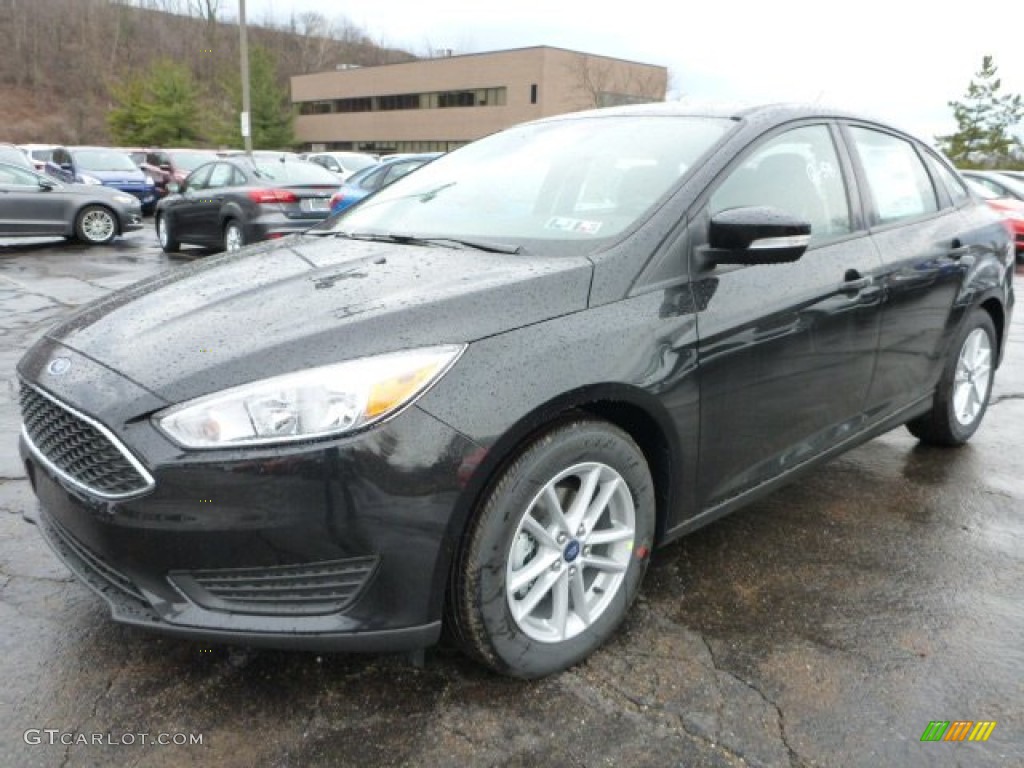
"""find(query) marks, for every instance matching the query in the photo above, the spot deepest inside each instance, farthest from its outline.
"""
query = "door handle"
(958, 249)
(854, 282)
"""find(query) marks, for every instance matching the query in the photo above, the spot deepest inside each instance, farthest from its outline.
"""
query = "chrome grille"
(80, 450)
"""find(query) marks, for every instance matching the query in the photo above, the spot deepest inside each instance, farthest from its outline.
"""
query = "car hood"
(303, 302)
(95, 191)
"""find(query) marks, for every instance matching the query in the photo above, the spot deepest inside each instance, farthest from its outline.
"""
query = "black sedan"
(235, 201)
(34, 205)
(486, 403)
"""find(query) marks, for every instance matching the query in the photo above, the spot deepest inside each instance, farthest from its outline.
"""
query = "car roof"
(762, 115)
(340, 152)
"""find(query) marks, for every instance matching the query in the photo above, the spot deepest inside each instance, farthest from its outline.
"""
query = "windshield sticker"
(573, 225)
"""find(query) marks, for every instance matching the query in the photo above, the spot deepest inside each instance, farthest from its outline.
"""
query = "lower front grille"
(85, 557)
(79, 449)
(325, 587)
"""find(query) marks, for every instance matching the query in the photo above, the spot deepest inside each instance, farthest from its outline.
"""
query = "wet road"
(824, 626)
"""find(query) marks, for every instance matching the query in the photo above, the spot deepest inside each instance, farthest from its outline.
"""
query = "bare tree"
(603, 82)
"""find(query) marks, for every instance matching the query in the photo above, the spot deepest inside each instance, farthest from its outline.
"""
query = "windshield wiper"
(444, 242)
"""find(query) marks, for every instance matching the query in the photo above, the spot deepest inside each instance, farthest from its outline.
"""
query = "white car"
(342, 164)
(38, 154)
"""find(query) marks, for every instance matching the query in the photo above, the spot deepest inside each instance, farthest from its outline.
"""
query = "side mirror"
(757, 235)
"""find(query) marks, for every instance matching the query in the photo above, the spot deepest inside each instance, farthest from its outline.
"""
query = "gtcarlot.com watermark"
(109, 739)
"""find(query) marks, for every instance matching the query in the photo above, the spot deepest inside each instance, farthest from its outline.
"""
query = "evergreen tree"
(172, 113)
(125, 120)
(985, 121)
(160, 108)
(272, 117)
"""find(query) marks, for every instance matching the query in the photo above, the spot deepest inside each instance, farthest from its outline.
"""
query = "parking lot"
(827, 625)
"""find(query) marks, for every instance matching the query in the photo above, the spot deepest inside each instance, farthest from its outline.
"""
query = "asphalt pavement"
(827, 625)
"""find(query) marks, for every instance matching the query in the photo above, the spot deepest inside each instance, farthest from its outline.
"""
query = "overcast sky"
(876, 56)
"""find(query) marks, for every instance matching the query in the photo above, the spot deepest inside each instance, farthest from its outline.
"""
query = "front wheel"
(556, 555)
(961, 397)
(96, 225)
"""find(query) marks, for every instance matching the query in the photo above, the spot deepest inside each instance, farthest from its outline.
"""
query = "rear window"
(294, 173)
(189, 161)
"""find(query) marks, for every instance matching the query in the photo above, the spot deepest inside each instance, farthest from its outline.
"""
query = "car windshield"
(575, 179)
(189, 161)
(103, 160)
(294, 172)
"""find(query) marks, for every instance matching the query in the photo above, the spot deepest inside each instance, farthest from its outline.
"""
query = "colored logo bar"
(958, 730)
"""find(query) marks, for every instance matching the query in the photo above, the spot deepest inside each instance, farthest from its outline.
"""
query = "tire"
(164, 233)
(96, 225)
(961, 397)
(234, 236)
(515, 601)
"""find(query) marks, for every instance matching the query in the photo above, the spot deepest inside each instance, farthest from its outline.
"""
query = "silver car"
(34, 205)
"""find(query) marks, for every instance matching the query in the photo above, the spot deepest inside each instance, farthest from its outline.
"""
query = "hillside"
(61, 59)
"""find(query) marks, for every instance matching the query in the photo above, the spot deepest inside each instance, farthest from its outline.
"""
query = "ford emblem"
(59, 366)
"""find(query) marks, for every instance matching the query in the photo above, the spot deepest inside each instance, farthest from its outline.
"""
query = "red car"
(1012, 210)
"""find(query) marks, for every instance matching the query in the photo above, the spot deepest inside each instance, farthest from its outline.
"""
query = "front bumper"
(338, 545)
(130, 220)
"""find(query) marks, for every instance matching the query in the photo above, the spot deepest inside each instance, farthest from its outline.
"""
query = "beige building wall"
(565, 81)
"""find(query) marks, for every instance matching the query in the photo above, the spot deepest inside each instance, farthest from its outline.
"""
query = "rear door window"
(899, 185)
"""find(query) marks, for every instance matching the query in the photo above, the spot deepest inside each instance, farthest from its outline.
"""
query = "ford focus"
(482, 397)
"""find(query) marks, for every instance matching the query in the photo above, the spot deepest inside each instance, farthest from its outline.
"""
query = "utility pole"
(243, 47)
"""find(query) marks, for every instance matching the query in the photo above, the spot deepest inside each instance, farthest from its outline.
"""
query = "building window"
(315, 108)
(456, 99)
(608, 99)
(364, 104)
(533, 93)
(478, 97)
(398, 101)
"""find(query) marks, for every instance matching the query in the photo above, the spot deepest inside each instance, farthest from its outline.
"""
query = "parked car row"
(217, 199)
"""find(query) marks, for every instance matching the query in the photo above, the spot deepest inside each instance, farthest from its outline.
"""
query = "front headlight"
(318, 402)
(90, 179)
(123, 199)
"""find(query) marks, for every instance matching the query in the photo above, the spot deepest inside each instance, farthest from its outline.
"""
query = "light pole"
(243, 47)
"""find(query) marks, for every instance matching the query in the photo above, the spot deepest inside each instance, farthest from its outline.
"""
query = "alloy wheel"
(973, 376)
(570, 552)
